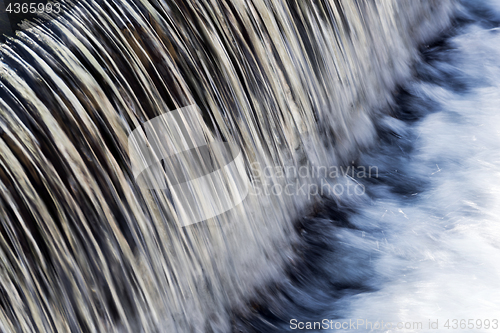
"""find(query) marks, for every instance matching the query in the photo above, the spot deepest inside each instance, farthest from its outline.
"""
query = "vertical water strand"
(78, 179)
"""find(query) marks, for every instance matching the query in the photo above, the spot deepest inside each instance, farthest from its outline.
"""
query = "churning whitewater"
(419, 250)
(368, 134)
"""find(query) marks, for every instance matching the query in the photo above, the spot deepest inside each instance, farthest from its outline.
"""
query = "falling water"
(291, 83)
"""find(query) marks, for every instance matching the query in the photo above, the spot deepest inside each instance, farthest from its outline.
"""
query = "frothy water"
(292, 84)
(418, 252)
(437, 243)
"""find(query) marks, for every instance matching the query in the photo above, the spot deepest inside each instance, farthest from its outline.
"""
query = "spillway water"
(321, 85)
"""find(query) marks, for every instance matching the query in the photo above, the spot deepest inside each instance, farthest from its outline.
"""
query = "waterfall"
(83, 247)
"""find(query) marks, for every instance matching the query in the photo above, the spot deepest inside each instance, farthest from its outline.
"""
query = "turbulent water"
(337, 87)
(418, 252)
